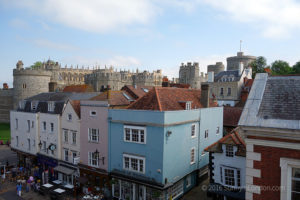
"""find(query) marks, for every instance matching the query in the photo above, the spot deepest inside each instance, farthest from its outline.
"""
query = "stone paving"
(198, 192)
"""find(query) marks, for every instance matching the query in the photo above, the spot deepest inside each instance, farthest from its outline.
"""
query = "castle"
(50, 77)
(189, 73)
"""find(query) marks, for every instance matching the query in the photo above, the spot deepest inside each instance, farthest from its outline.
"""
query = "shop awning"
(64, 170)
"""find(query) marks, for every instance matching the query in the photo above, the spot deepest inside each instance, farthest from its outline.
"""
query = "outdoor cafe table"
(47, 185)
(57, 182)
(69, 186)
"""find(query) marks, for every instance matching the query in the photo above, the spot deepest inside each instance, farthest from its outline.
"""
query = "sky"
(145, 34)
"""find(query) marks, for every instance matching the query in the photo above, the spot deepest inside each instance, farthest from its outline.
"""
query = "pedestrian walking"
(19, 189)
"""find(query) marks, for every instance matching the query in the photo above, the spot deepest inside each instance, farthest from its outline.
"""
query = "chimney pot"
(205, 95)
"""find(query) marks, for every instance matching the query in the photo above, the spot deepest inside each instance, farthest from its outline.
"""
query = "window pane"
(142, 136)
(134, 164)
(135, 135)
(141, 165)
(127, 134)
(229, 177)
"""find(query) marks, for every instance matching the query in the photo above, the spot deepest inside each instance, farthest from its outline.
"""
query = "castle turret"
(19, 65)
(217, 68)
(29, 82)
(234, 61)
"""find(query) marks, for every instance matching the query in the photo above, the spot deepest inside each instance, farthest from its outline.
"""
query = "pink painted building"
(94, 145)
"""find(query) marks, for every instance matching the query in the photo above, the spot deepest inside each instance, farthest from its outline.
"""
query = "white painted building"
(227, 167)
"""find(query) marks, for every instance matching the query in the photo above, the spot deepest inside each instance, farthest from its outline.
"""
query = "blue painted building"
(158, 153)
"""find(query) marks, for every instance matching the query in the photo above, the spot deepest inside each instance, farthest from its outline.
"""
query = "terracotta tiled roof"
(231, 116)
(117, 98)
(76, 106)
(233, 139)
(167, 98)
(78, 88)
(136, 91)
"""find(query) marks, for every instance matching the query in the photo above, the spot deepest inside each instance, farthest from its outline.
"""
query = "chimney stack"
(5, 86)
(210, 77)
(108, 92)
(205, 95)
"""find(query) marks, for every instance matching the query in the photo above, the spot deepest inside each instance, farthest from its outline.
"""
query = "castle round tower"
(233, 62)
(29, 82)
(217, 68)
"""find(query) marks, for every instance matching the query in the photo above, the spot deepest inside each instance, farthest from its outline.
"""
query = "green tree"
(36, 65)
(296, 68)
(258, 65)
(280, 67)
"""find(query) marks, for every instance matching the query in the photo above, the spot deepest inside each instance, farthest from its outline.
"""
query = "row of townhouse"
(153, 149)
(261, 158)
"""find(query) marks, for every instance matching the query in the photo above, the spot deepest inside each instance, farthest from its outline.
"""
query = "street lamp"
(40, 144)
(97, 155)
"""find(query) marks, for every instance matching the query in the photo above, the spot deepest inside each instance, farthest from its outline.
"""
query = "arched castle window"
(24, 86)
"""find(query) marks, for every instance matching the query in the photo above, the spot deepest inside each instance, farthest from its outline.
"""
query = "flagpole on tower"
(240, 45)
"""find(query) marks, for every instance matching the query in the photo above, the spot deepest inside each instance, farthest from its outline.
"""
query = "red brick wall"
(270, 170)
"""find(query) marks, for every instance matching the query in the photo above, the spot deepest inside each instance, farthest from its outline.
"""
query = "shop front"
(94, 180)
(65, 173)
(46, 167)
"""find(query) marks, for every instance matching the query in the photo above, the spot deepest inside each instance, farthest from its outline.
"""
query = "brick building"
(271, 124)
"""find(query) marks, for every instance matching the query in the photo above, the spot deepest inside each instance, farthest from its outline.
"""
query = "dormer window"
(188, 105)
(34, 105)
(93, 113)
(22, 104)
(50, 106)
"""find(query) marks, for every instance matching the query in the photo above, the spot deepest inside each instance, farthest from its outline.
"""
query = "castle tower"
(234, 61)
(189, 74)
(29, 82)
(217, 68)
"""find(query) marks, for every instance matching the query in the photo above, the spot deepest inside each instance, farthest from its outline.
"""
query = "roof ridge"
(157, 97)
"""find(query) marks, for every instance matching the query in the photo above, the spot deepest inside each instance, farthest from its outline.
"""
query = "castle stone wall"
(6, 104)
(189, 74)
(218, 67)
(28, 82)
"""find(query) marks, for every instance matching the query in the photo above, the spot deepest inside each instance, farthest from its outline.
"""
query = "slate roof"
(233, 138)
(78, 88)
(231, 116)
(117, 98)
(166, 98)
(136, 91)
(59, 99)
(281, 99)
(234, 73)
(273, 102)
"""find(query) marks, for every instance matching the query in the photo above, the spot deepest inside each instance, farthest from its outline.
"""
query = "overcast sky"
(145, 34)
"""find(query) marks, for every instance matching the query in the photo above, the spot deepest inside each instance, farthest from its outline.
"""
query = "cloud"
(19, 23)
(275, 18)
(91, 15)
(44, 43)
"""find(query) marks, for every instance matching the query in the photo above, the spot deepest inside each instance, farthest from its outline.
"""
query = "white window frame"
(177, 190)
(218, 130)
(91, 159)
(130, 168)
(69, 117)
(93, 115)
(66, 136)
(193, 131)
(235, 174)
(139, 128)
(74, 135)
(193, 156)
(50, 106)
(188, 105)
(287, 164)
(90, 135)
